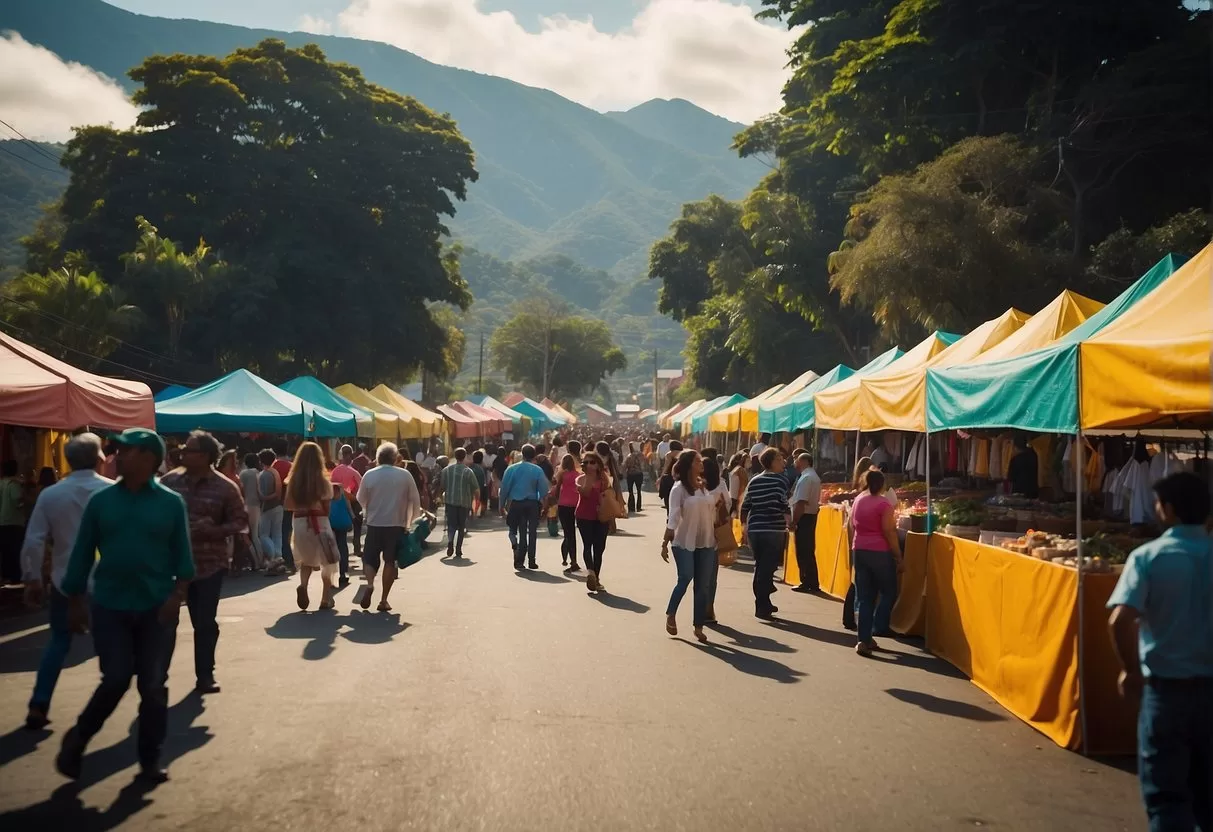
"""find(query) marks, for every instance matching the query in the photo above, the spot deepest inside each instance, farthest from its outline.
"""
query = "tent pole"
(927, 446)
(1078, 497)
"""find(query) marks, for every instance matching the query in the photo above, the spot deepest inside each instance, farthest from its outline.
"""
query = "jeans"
(768, 554)
(288, 523)
(875, 575)
(634, 500)
(54, 654)
(1175, 753)
(526, 521)
(593, 541)
(698, 565)
(806, 550)
(131, 645)
(271, 532)
(568, 522)
(343, 551)
(254, 533)
(456, 527)
(202, 600)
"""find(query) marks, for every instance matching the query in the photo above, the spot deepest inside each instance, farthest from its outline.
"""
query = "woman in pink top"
(590, 486)
(877, 558)
(567, 498)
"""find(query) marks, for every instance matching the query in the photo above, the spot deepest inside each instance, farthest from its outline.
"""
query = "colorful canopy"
(171, 392)
(459, 424)
(541, 418)
(675, 420)
(312, 389)
(39, 391)
(797, 412)
(840, 407)
(387, 420)
(241, 402)
(1150, 367)
(562, 412)
(728, 419)
(1063, 313)
(1036, 391)
(493, 423)
(521, 423)
(699, 422)
(897, 399)
(415, 421)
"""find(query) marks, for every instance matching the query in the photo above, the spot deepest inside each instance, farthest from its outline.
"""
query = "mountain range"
(556, 178)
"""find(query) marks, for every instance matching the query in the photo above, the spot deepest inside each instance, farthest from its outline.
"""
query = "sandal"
(301, 597)
(384, 606)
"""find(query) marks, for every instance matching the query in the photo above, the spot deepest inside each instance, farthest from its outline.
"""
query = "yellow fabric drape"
(909, 612)
(1010, 624)
(841, 406)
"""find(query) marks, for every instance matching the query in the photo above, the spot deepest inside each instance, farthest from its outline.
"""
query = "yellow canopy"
(1065, 312)
(728, 419)
(897, 399)
(1150, 367)
(749, 410)
(838, 407)
(387, 421)
(415, 421)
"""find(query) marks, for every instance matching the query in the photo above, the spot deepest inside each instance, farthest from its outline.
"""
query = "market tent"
(648, 414)
(494, 423)
(387, 420)
(674, 420)
(839, 407)
(312, 389)
(241, 402)
(562, 412)
(668, 414)
(171, 392)
(728, 419)
(796, 412)
(1063, 313)
(1036, 391)
(415, 421)
(897, 400)
(541, 418)
(687, 413)
(39, 391)
(699, 422)
(521, 423)
(1150, 367)
(459, 424)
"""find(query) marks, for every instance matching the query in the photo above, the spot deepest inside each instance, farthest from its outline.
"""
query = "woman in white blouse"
(692, 529)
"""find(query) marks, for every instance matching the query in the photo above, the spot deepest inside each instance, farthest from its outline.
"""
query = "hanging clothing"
(981, 467)
(1111, 498)
(1043, 445)
(1138, 493)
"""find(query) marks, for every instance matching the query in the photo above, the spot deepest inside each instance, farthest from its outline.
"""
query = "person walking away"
(12, 522)
(566, 510)
(482, 481)
(270, 490)
(591, 484)
(522, 488)
(250, 491)
(765, 518)
(341, 520)
(691, 528)
(282, 465)
(239, 547)
(806, 501)
(666, 484)
(633, 469)
(309, 494)
(877, 556)
(216, 514)
(141, 530)
(460, 487)
(55, 521)
(362, 462)
(713, 483)
(1162, 629)
(390, 502)
(349, 478)
(501, 461)
(739, 478)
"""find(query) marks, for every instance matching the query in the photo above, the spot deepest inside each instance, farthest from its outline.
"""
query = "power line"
(32, 163)
(144, 375)
(37, 147)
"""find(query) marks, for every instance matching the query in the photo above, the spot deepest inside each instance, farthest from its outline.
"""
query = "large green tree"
(324, 192)
(554, 353)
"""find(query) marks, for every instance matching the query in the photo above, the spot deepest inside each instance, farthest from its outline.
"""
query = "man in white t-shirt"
(756, 453)
(390, 502)
(806, 499)
(663, 447)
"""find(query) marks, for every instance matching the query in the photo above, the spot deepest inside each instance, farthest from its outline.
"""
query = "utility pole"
(655, 380)
(480, 372)
(547, 347)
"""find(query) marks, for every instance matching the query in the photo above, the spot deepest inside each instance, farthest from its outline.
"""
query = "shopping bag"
(609, 506)
(408, 551)
(725, 540)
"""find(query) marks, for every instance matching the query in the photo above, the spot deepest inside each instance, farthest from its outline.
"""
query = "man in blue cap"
(141, 531)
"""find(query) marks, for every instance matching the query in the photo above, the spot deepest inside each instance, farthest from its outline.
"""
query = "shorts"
(380, 544)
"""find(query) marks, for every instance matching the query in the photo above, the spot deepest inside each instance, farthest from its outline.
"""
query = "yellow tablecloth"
(910, 612)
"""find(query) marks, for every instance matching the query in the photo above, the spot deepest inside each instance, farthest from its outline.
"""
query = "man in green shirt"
(459, 487)
(140, 529)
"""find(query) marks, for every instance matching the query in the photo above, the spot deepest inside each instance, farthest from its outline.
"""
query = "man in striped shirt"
(765, 516)
(459, 487)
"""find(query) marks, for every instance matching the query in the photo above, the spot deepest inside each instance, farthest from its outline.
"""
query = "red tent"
(494, 423)
(462, 425)
(39, 391)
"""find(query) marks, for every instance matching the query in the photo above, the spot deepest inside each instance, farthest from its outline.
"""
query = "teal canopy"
(240, 402)
(789, 416)
(170, 392)
(541, 418)
(315, 391)
(1036, 391)
(699, 422)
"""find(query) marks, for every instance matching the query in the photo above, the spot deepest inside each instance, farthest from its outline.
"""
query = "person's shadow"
(751, 642)
(457, 562)
(749, 663)
(618, 602)
(542, 577)
(321, 629)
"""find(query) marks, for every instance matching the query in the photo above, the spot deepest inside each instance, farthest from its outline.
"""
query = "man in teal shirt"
(141, 531)
(1162, 626)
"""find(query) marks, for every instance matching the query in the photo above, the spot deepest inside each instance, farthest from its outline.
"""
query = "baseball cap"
(142, 438)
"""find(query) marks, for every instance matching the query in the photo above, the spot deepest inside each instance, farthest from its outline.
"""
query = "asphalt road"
(494, 701)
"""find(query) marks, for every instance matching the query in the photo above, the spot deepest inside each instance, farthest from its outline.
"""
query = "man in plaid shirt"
(459, 487)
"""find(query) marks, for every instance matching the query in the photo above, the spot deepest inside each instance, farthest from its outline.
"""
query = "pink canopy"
(462, 425)
(39, 391)
(494, 423)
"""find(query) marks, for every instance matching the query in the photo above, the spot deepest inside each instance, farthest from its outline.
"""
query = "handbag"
(726, 541)
(608, 506)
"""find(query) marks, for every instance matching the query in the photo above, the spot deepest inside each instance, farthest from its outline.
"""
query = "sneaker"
(36, 719)
(532, 565)
(70, 758)
(865, 648)
(207, 686)
(152, 774)
(806, 589)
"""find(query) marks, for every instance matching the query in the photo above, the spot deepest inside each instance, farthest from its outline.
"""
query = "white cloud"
(711, 52)
(314, 25)
(44, 96)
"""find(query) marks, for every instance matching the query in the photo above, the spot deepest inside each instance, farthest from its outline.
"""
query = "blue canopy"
(541, 418)
(796, 412)
(242, 402)
(170, 392)
(312, 389)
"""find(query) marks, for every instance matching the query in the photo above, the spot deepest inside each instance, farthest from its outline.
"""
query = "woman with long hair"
(308, 495)
(691, 528)
(611, 465)
(714, 484)
(633, 467)
(227, 465)
(591, 484)
(567, 497)
(666, 483)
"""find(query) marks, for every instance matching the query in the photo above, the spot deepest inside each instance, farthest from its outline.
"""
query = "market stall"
(313, 390)
(541, 418)
(415, 421)
(387, 420)
(796, 412)
(460, 425)
(698, 423)
(171, 392)
(561, 411)
(728, 419)
(242, 402)
(521, 424)
(495, 424)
